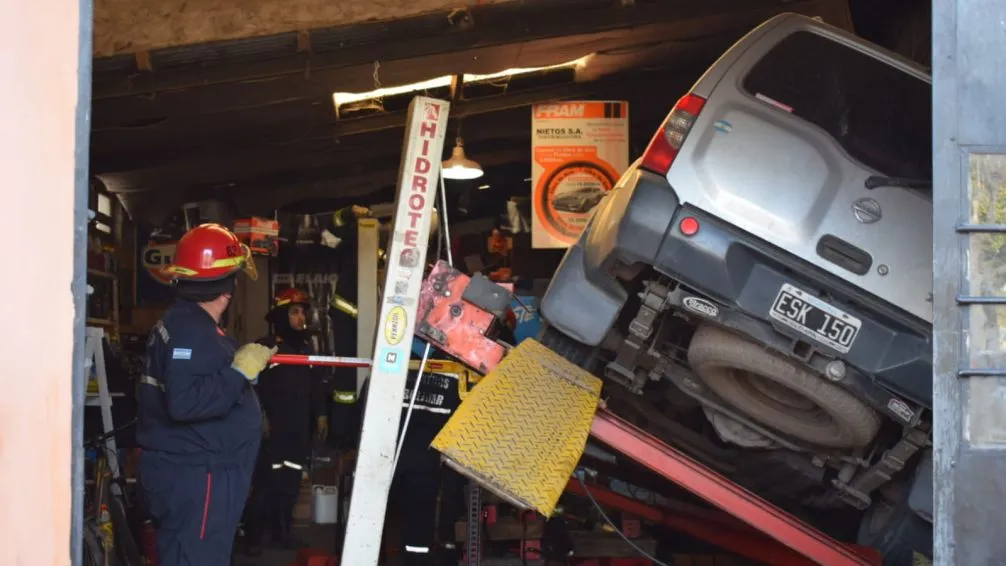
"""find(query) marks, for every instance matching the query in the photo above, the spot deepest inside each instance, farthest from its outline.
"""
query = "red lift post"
(720, 529)
(726, 495)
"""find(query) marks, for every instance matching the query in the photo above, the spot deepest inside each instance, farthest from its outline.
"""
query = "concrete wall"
(129, 26)
(38, 137)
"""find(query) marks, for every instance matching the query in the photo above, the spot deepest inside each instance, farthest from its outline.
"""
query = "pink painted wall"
(38, 94)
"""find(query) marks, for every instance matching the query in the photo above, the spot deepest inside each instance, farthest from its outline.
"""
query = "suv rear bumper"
(638, 223)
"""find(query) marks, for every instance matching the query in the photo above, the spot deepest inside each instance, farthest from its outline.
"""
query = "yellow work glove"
(251, 359)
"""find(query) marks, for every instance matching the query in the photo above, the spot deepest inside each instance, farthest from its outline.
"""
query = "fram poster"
(579, 150)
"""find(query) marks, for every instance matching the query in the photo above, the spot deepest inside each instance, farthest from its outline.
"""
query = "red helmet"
(209, 252)
(291, 296)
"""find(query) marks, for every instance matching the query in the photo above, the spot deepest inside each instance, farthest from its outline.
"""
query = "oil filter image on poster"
(579, 151)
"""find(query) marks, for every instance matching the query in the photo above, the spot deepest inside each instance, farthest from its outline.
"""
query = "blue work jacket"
(192, 404)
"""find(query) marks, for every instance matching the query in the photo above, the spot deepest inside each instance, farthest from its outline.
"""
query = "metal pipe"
(322, 361)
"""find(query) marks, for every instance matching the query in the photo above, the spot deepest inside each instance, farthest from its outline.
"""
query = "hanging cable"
(445, 234)
(447, 231)
(408, 412)
(617, 530)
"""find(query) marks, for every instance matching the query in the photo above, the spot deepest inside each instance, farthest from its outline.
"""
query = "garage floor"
(321, 537)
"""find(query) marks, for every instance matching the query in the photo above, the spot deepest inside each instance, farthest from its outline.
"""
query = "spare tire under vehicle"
(780, 393)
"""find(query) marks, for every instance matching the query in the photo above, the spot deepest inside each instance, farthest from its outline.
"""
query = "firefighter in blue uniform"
(416, 482)
(293, 401)
(200, 423)
(420, 478)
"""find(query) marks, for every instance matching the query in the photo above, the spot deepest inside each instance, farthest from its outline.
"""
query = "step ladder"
(94, 359)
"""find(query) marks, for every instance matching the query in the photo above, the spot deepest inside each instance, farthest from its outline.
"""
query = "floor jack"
(497, 431)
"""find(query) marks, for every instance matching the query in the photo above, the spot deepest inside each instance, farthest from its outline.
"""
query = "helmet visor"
(244, 262)
(249, 263)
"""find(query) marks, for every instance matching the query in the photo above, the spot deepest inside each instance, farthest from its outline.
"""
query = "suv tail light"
(664, 146)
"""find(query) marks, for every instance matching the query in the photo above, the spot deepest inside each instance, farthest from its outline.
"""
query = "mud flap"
(522, 430)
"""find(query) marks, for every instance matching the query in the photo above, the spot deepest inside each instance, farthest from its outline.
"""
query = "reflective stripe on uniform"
(417, 549)
(344, 397)
(152, 381)
(288, 464)
(162, 331)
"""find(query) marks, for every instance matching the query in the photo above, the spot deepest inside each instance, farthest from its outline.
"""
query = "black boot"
(252, 547)
(417, 559)
(284, 536)
(252, 539)
(446, 555)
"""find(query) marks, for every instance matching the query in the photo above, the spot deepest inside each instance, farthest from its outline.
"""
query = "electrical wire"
(617, 530)
(408, 411)
(443, 204)
(445, 234)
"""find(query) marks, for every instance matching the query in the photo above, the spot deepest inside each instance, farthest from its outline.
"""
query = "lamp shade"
(459, 167)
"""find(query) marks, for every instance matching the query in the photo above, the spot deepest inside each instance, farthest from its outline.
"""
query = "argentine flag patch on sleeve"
(181, 354)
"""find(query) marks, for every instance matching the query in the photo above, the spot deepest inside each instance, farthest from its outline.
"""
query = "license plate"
(815, 318)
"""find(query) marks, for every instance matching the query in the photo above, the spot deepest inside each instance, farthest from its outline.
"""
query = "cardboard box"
(259, 234)
(303, 512)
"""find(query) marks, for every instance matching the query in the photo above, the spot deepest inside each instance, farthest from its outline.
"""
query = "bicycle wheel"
(125, 542)
(94, 551)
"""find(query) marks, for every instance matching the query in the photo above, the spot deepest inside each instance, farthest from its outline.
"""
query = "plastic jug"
(326, 504)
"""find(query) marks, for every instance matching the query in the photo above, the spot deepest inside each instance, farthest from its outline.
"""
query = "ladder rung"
(974, 300)
(982, 372)
(981, 228)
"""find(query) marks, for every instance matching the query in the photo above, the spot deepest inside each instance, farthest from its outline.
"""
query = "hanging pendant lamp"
(459, 167)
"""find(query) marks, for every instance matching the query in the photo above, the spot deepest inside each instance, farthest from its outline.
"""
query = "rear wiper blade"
(874, 181)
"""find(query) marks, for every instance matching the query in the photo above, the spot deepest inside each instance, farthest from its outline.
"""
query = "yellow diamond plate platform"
(522, 430)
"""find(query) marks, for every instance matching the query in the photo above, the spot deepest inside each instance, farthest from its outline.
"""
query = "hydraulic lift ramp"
(417, 190)
(522, 430)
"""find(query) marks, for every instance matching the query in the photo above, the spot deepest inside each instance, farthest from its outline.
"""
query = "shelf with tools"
(102, 278)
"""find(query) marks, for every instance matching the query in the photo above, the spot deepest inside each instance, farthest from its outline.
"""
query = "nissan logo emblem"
(866, 210)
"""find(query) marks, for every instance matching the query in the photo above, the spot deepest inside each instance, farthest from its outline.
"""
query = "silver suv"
(769, 259)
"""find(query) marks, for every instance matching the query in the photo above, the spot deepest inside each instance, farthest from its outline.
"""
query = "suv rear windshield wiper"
(875, 181)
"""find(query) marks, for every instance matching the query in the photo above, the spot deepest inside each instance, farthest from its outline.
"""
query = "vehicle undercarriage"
(804, 431)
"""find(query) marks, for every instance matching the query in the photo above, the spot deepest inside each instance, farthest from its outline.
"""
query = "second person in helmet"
(293, 403)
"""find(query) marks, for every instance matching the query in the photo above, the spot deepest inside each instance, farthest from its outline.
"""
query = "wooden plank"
(318, 85)
(127, 26)
(406, 37)
(609, 545)
(271, 78)
(505, 529)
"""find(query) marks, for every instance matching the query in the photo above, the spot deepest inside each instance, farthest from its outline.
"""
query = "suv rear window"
(881, 115)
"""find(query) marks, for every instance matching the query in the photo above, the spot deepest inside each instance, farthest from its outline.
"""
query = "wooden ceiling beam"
(350, 138)
(316, 83)
(422, 36)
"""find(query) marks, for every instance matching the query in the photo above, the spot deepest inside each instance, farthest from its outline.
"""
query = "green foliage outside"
(987, 257)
